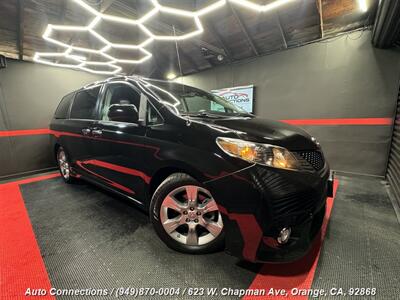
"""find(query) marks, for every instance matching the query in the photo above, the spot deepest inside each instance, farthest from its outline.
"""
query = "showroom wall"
(29, 95)
(342, 78)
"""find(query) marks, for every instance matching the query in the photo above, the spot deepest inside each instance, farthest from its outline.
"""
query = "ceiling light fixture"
(89, 29)
(85, 67)
(140, 22)
(186, 13)
(171, 76)
(39, 57)
(53, 28)
(189, 35)
(210, 8)
(362, 4)
(258, 7)
(83, 63)
(103, 50)
(146, 56)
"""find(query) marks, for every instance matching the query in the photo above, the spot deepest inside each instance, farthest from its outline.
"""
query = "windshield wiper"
(243, 114)
(203, 114)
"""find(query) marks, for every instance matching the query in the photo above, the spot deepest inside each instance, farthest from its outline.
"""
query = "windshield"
(187, 100)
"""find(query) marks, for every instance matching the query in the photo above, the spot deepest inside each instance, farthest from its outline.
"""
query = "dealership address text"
(173, 292)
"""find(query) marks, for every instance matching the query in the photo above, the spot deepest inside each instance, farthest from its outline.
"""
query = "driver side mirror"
(123, 113)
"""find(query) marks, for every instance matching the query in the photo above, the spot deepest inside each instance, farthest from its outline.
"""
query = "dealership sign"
(241, 96)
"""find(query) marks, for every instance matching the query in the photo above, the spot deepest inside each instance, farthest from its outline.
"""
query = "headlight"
(264, 154)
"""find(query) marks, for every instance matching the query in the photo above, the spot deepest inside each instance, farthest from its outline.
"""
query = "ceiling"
(231, 33)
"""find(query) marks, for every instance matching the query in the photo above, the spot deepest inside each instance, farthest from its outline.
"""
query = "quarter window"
(63, 107)
(84, 106)
(153, 118)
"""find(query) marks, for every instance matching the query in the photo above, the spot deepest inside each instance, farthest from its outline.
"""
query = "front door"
(119, 149)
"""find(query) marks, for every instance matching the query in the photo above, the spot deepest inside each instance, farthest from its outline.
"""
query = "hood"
(264, 131)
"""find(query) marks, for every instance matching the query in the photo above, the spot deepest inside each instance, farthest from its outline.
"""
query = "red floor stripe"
(324, 122)
(32, 179)
(24, 132)
(21, 264)
(299, 274)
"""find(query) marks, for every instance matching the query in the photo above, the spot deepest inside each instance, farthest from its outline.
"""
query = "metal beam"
(63, 11)
(281, 30)
(321, 18)
(61, 17)
(244, 30)
(105, 4)
(20, 28)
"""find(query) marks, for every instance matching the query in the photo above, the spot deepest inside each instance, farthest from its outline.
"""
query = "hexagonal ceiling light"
(106, 47)
(197, 25)
(259, 7)
(139, 24)
(194, 13)
(76, 62)
(106, 69)
(109, 17)
(143, 55)
(51, 29)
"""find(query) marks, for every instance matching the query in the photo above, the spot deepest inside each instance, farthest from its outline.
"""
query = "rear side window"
(63, 108)
(84, 106)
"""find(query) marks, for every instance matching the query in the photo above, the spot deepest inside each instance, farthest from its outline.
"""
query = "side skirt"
(140, 204)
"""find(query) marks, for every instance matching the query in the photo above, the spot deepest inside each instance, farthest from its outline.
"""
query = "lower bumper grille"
(289, 201)
(296, 203)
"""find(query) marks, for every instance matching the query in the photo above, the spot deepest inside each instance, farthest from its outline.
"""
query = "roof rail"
(92, 84)
(114, 78)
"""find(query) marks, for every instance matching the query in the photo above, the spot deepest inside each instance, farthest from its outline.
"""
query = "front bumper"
(257, 202)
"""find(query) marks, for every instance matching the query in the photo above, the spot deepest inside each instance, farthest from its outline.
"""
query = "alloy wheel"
(63, 164)
(190, 215)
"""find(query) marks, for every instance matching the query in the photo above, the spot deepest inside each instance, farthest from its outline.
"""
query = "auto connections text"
(171, 292)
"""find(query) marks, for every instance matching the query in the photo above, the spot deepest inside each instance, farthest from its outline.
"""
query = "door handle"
(97, 132)
(86, 131)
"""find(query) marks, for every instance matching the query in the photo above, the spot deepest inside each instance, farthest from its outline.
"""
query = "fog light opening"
(284, 235)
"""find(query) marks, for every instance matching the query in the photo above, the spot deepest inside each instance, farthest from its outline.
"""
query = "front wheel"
(186, 216)
(64, 165)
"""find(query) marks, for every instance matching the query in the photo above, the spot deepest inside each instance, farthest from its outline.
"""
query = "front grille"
(314, 158)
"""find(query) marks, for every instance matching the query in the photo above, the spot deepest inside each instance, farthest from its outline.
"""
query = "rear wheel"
(64, 165)
(186, 216)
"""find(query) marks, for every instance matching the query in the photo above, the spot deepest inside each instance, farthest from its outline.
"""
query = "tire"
(204, 215)
(64, 166)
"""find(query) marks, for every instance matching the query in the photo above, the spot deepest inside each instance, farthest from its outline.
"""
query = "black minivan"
(210, 174)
